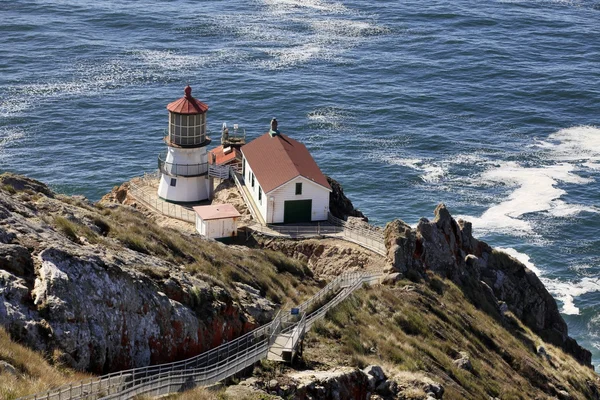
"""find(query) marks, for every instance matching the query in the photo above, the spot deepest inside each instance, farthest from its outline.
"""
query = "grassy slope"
(281, 279)
(421, 328)
(35, 373)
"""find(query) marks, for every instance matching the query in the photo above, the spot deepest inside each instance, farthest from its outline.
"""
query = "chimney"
(274, 131)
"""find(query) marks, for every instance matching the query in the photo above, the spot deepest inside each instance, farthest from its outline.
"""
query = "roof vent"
(274, 131)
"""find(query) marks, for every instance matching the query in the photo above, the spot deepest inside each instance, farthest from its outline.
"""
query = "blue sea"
(491, 107)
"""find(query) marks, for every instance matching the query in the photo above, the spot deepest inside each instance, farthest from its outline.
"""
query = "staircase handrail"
(210, 366)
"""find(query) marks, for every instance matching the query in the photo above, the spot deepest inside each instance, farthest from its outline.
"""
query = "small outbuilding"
(283, 179)
(217, 220)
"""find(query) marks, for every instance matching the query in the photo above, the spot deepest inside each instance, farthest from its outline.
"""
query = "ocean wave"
(9, 135)
(430, 172)
(535, 190)
(579, 144)
(286, 6)
(565, 292)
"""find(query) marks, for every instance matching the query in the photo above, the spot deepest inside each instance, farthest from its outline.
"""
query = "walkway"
(219, 363)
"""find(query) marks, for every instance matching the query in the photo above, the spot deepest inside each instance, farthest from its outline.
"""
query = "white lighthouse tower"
(184, 166)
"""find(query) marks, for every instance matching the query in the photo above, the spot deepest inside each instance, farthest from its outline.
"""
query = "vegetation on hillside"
(424, 327)
(34, 373)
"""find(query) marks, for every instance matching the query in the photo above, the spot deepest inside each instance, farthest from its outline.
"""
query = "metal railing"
(237, 178)
(334, 227)
(154, 202)
(185, 170)
(214, 365)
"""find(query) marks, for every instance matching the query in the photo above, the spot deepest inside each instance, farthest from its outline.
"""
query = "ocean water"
(491, 107)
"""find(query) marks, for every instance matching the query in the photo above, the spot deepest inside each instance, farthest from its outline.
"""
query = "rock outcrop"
(102, 306)
(342, 383)
(340, 206)
(326, 258)
(492, 279)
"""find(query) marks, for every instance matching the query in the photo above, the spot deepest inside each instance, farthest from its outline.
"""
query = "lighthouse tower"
(184, 167)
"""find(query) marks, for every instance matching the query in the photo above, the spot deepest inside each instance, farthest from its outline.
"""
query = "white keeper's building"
(284, 180)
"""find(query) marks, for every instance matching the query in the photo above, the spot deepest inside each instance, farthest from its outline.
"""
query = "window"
(252, 179)
(299, 188)
(243, 166)
(259, 195)
(173, 182)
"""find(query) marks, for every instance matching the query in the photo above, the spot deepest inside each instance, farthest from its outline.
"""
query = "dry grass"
(411, 327)
(35, 374)
(281, 279)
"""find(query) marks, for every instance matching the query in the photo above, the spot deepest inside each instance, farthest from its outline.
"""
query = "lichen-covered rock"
(97, 307)
(495, 280)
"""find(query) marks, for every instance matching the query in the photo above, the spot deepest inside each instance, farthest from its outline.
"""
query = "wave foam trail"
(294, 5)
(565, 292)
(535, 191)
(431, 172)
(580, 143)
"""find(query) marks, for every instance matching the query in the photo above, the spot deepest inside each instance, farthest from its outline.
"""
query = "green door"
(295, 211)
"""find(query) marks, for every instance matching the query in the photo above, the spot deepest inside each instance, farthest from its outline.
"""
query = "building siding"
(272, 211)
(310, 191)
(217, 228)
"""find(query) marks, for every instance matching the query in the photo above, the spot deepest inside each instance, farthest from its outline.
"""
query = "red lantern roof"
(187, 104)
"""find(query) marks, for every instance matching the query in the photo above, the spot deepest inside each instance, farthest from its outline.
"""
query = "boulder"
(375, 375)
(16, 259)
(21, 183)
(341, 383)
(464, 362)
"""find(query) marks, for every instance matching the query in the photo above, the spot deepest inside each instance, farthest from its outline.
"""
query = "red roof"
(279, 159)
(217, 211)
(187, 104)
(222, 158)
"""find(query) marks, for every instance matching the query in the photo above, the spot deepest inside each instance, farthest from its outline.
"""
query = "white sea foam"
(576, 144)
(535, 190)
(565, 292)
(295, 5)
(347, 28)
(430, 172)
(332, 117)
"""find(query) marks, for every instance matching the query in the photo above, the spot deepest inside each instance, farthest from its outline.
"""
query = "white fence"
(214, 365)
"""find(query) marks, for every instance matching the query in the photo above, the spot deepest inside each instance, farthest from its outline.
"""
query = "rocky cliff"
(493, 280)
(81, 282)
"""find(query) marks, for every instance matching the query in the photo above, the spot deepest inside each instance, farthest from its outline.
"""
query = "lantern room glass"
(187, 130)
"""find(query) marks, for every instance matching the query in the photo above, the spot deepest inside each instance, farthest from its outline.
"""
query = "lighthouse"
(184, 166)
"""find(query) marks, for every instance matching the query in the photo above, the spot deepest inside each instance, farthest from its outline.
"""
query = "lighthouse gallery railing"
(185, 170)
